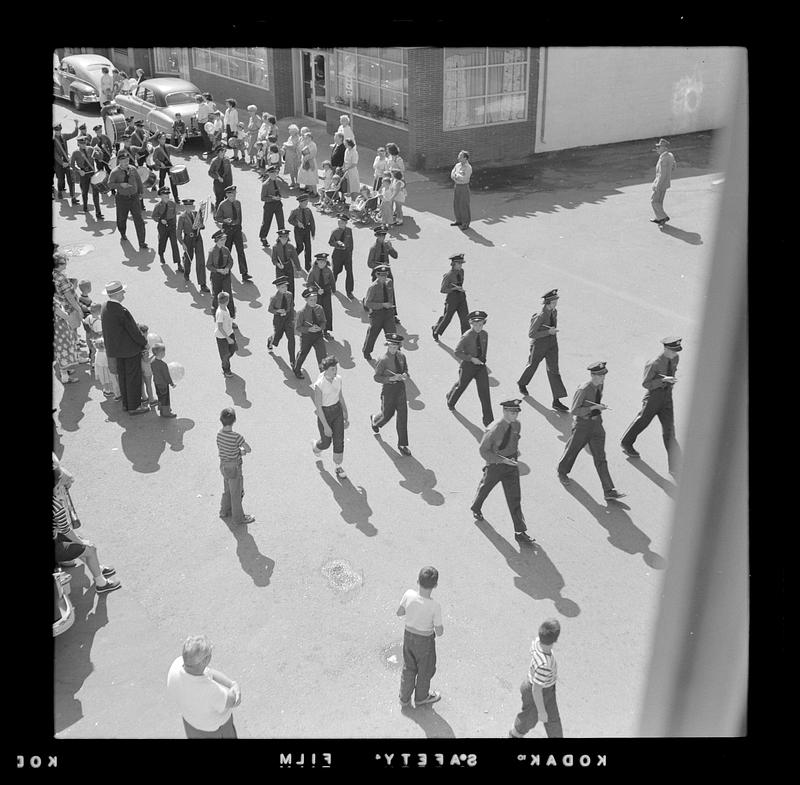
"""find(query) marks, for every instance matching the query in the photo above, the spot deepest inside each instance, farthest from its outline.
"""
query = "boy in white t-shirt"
(423, 624)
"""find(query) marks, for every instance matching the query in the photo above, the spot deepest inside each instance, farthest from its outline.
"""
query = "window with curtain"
(485, 85)
(242, 64)
(168, 59)
(379, 78)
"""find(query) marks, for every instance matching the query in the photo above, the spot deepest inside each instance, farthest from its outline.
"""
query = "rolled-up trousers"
(466, 373)
(393, 401)
(547, 351)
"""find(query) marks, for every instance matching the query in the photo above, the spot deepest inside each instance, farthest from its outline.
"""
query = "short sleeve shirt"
(200, 700)
(223, 315)
(331, 391)
(543, 670)
(422, 613)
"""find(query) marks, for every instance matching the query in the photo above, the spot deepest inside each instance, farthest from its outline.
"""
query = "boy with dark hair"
(232, 447)
(539, 688)
(162, 380)
(423, 617)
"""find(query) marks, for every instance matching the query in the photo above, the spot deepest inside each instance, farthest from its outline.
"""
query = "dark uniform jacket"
(282, 300)
(221, 167)
(323, 278)
(302, 217)
(379, 254)
(655, 369)
(186, 224)
(467, 345)
(501, 439)
(286, 255)
(167, 210)
(60, 147)
(540, 322)
(309, 315)
(451, 279)
(587, 393)
(375, 297)
(219, 260)
(390, 363)
(126, 183)
(229, 209)
(344, 236)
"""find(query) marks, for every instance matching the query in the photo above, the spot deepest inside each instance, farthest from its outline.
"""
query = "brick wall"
(369, 132)
(431, 147)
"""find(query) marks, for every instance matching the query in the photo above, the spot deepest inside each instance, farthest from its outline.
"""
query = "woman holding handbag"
(67, 318)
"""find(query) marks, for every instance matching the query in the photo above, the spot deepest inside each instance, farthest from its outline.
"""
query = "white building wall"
(599, 95)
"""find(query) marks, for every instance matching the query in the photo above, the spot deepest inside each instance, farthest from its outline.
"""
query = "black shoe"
(664, 220)
(123, 238)
(247, 278)
(75, 202)
(367, 357)
(629, 451)
(163, 260)
(308, 269)
(265, 242)
(559, 407)
(99, 217)
(298, 375)
(655, 220)
(180, 268)
(234, 325)
(477, 515)
(327, 336)
(522, 388)
(455, 224)
(435, 334)
(563, 479)
(612, 494)
(403, 449)
(144, 247)
(372, 425)
(396, 319)
(524, 538)
(351, 296)
(269, 344)
(204, 289)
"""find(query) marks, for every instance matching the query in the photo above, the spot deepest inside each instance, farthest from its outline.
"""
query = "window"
(485, 86)
(379, 77)
(169, 60)
(242, 64)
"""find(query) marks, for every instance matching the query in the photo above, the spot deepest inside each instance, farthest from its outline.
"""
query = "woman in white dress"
(307, 176)
(351, 167)
(345, 129)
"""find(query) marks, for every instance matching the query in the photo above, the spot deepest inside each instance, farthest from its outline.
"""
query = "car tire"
(76, 100)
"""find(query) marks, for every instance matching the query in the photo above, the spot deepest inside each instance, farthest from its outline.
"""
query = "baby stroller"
(334, 200)
(369, 213)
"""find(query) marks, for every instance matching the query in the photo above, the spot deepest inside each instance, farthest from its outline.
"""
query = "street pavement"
(301, 604)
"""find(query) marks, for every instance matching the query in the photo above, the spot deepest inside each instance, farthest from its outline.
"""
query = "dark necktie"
(459, 278)
(285, 301)
(385, 294)
(480, 347)
(235, 212)
(313, 315)
(599, 395)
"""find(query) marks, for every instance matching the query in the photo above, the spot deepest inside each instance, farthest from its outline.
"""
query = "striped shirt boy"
(229, 444)
(61, 523)
(543, 668)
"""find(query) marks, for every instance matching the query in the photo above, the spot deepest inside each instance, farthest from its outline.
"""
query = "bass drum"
(179, 175)
(100, 181)
(147, 176)
(115, 125)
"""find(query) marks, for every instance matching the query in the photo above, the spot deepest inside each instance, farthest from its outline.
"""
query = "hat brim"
(116, 291)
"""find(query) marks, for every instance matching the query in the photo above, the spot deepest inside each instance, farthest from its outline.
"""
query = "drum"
(148, 177)
(179, 175)
(115, 125)
(99, 181)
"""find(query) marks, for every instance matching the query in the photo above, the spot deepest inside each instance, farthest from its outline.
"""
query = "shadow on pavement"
(254, 563)
(416, 478)
(693, 238)
(434, 725)
(352, 501)
(471, 234)
(246, 293)
(301, 386)
(73, 649)
(408, 231)
(450, 351)
(412, 395)
(242, 342)
(236, 387)
(470, 426)
(74, 398)
(648, 471)
(537, 575)
(561, 422)
(343, 352)
(353, 308)
(622, 532)
(96, 227)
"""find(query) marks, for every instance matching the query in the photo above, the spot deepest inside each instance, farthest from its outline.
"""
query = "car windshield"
(180, 98)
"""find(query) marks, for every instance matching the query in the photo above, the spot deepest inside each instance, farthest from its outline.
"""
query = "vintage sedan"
(156, 101)
(77, 78)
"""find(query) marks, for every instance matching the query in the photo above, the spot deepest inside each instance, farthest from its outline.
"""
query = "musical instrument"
(179, 175)
(115, 125)
(148, 178)
(99, 181)
(202, 214)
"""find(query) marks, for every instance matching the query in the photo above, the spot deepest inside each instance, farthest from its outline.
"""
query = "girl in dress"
(399, 186)
(102, 374)
(387, 200)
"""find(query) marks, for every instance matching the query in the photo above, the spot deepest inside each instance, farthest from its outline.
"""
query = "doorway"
(315, 92)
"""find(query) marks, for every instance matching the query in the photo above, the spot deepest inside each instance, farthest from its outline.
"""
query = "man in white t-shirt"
(205, 697)
(423, 625)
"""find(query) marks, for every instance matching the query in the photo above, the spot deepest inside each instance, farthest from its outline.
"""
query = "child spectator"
(327, 175)
(272, 130)
(232, 447)
(357, 209)
(94, 328)
(178, 129)
(239, 141)
(159, 371)
(380, 167)
(399, 190)
(147, 373)
(102, 373)
(223, 332)
(84, 297)
(423, 625)
(387, 200)
(273, 156)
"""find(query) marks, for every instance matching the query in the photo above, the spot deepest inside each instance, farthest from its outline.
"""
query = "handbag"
(74, 519)
(307, 164)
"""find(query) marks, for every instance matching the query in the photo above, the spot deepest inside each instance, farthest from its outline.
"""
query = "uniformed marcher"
(104, 149)
(302, 219)
(273, 206)
(382, 252)
(500, 449)
(62, 164)
(659, 377)
(221, 173)
(190, 226)
(162, 163)
(341, 240)
(391, 372)
(544, 346)
(285, 259)
(229, 218)
(125, 180)
(588, 429)
(471, 352)
(311, 326)
(281, 306)
(455, 301)
(219, 264)
(83, 164)
(165, 214)
(321, 276)
(379, 302)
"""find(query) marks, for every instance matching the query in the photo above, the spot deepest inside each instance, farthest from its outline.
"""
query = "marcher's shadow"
(242, 342)
(74, 398)
(343, 352)
(141, 260)
(412, 395)
(408, 231)
(669, 487)
(434, 725)
(622, 532)
(411, 340)
(693, 238)
(561, 422)
(254, 563)
(351, 500)
(448, 350)
(470, 426)
(96, 227)
(537, 577)
(236, 387)
(172, 278)
(200, 300)
(72, 650)
(471, 234)
(69, 211)
(416, 478)
(301, 386)
(246, 292)
(353, 308)
(492, 381)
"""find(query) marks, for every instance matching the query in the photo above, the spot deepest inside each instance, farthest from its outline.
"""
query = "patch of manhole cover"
(392, 655)
(80, 249)
(341, 576)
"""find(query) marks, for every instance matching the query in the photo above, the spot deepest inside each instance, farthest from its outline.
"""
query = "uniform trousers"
(284, 325)
(587, 430)
(657, 403)
(547, 351)
(226, 351)
(86, 184)
(271, 209)
(166, 233)
(380, 319)
(288, 271)
(657, 201)
(233, 236)
(194, 251)
(222, 283)
(454, 303)
(461, 205)
(529, 714)
(393, 401)
(162, 173)
(307, 341)
(62, 173)
(419, 665)
(219, 192)
(302, 242)
(325, 301)
(466, 373)
(343, 260)
(129, 375)
(125, 205)
(494, 473)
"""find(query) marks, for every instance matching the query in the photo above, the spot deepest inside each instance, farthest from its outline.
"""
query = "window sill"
(345, 109)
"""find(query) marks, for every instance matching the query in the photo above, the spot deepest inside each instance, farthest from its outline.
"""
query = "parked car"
(63, 612)
(77, 78)
(155, 102)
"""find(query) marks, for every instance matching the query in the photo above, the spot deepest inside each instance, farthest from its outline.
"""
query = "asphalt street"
(301, 604)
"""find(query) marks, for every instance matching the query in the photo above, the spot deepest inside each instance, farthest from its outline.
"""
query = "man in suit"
(221, 173)
(229, 218)
(271, 196)
(341, 240)
(124, 344)
(62, 164)
(302, 219)
(190, 224)
(285, 259)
